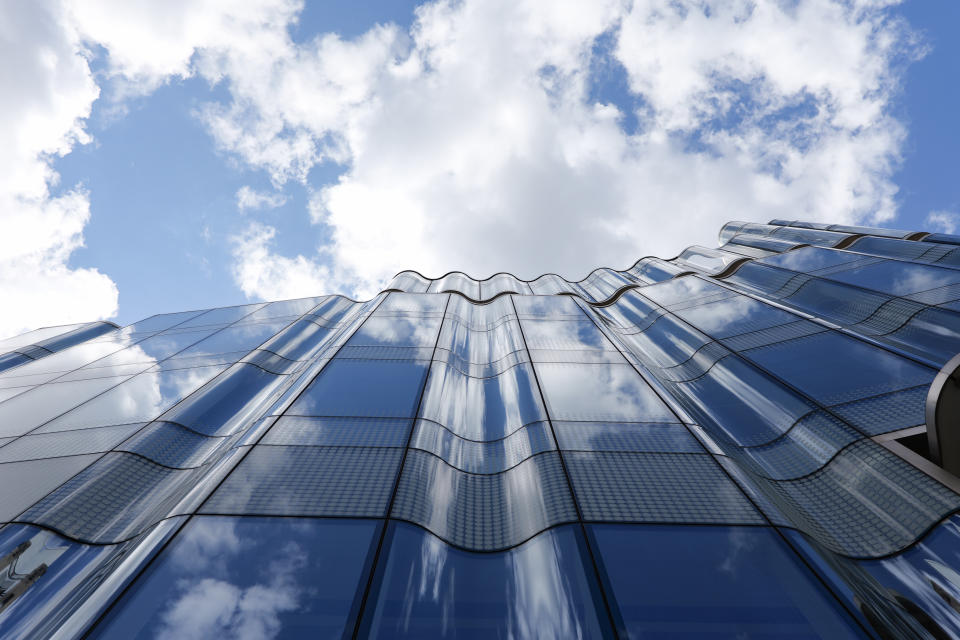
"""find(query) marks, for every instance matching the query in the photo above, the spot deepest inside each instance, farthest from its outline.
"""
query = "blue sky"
(525, 136)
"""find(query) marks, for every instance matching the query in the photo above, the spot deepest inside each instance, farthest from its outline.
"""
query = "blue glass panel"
(811, 259)
(734, 316)
(11, 360)
(834, 368)
(541, 589)
(221, 405)
(898, 278)
(249, 578)
(714, 582)
(923, 583)
(747, 406)
(364, 388)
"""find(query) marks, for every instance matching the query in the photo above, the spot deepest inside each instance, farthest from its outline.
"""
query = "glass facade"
(734, 443)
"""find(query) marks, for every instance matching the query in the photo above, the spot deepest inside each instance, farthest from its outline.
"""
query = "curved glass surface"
(541, 589)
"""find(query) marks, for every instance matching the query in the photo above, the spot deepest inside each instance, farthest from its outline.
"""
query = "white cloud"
(261, 273)
(248, 198)
(475, 140)
(472, 142)
(48, 93)
(942, 221)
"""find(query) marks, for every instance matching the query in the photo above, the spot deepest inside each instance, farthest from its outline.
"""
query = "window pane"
(714, 582)
(249, 578)
(540, 589)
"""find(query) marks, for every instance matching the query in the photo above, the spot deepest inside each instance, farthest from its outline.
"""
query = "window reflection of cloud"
(613, 392)
(142, 397)
(740, 543)
(431, 580)
(539, 596)
(206, 607)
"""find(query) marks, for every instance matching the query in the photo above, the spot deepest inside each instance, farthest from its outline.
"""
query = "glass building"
(753, 441)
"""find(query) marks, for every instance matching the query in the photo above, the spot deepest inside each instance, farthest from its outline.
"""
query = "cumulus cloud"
(248, 198)
(475, 140)
(942, 221)
(48, 93)
(479, 138)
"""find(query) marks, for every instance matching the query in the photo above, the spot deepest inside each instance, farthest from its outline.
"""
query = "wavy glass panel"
(473, 456)
(833, 368)
(427, 589)
(517, 504)
(481, 408)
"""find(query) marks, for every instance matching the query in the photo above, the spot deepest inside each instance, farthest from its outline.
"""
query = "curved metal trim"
(942, 412)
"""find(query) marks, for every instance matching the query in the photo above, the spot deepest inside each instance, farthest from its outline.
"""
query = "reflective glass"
(735, 401)
(26, 482)
(140, 399)
(541, 589)
(413, 303)
(47, 578)
(734, 316)
(564, 334)
(604, 392)
(223, 315)
(242, 337)
(249, 578)
(388, 388)
(811, 259)
(406, 331)
(309, 481)
(625, 436)
(898, 278)
(482, 408)
(714, 582)
(834, 368)
(684, 289)
(224, 405)
(553, 307)
(69, 443)
(361, 432)
(27, 411)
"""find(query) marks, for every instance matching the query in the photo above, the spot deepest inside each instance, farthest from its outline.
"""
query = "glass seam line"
(670, 404)
(614, 628)
(396, 483)
(92, 624)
